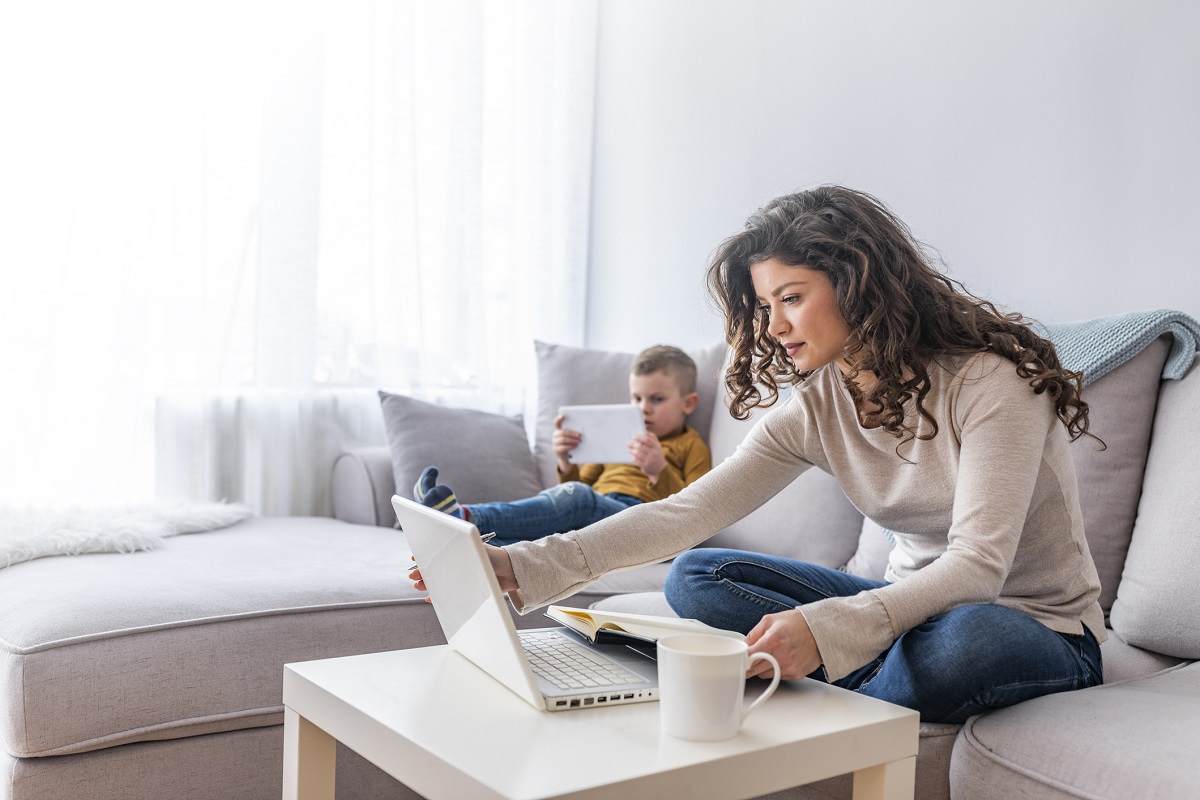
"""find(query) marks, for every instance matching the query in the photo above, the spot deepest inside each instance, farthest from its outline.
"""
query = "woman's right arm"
(768, 459)
(502, 565)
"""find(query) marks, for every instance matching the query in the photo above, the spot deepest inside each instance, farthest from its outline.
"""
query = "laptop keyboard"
(570, 666)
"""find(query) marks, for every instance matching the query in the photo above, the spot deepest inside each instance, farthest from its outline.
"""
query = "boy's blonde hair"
(671, 360)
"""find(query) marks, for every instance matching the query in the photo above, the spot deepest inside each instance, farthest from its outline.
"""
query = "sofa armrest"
(362, 486)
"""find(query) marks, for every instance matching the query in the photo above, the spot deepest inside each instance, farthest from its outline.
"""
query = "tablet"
(606, 432)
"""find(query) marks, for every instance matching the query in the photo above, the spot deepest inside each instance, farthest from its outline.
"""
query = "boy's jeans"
(968, 660)
(564, 507)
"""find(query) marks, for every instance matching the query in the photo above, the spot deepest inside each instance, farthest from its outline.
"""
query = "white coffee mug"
(701, 685)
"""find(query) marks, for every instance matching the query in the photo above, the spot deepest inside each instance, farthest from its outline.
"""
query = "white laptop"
(551, 668)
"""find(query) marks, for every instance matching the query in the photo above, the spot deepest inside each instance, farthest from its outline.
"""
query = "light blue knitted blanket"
(1096, 347)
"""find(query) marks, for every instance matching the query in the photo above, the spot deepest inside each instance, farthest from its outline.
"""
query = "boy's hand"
(647, 453)
(565, 440)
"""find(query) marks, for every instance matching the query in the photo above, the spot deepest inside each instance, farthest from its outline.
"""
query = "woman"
(942, 419)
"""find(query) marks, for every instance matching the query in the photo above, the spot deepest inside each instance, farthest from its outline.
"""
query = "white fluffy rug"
(27, 533)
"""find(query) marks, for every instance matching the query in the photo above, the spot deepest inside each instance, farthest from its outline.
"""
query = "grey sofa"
(157, 674)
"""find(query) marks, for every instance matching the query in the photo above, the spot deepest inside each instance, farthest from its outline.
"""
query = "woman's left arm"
(1002, 429)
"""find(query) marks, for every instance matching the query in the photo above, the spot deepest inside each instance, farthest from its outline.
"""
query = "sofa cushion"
(191, 638)
(875, 545)
(1132, 739)
(483, 456)
(1122, 404)
(188, 639)
(652, 602)
(644, 581)
(1157, 605)
(240, 765)
(581, 376)
(1123, 661)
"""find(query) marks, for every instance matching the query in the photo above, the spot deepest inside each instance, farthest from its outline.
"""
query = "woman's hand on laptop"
(501, 565)
(414, 575)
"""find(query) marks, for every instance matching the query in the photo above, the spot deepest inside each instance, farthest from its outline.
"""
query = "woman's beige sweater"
(987, 511)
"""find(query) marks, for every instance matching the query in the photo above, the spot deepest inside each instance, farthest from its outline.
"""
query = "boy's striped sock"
(440, 497)
(425, 483)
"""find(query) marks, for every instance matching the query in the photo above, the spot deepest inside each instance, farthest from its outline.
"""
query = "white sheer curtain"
(226, 225)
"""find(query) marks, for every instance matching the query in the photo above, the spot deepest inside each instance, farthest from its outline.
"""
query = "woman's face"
(803, 313)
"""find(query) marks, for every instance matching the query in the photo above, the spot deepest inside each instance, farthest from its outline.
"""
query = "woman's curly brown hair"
(902, 312)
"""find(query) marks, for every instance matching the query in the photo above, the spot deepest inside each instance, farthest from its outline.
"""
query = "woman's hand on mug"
(786, 636)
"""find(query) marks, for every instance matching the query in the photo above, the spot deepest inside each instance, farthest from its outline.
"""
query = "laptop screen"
(466, 597)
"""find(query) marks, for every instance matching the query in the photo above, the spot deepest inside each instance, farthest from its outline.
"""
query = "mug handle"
(770, 690)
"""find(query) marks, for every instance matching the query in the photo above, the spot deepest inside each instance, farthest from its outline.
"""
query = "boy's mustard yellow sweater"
(687, 459)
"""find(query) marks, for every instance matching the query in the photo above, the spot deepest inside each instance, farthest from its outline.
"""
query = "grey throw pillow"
(1110, 480)
(1157, 605)
(482, 456)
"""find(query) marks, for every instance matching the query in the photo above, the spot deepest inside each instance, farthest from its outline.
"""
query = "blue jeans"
(968, 660)
(564, 507)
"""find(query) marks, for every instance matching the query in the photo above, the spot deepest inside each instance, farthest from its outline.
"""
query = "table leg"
(309, 759)
(892, 781)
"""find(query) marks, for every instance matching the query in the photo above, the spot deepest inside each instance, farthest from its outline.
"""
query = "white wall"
(1048, 150)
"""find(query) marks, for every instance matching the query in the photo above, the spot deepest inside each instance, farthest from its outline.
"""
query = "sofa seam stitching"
(189, 623)
(968, 735)
(116, 739)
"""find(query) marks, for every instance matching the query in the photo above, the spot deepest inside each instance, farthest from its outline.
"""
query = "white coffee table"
(431, 719)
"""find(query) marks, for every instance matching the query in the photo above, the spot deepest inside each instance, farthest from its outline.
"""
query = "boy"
(667, 457)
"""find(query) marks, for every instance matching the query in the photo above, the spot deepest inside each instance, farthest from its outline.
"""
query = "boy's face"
(664, 407)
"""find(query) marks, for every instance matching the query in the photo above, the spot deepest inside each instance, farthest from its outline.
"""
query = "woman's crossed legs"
(954, 665)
